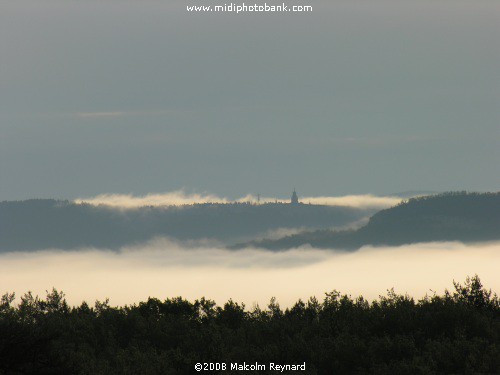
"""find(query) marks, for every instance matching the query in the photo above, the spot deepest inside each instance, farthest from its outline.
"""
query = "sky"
(355, 97)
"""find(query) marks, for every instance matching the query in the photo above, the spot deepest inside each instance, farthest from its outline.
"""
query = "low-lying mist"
(180, 197)
(163, 268)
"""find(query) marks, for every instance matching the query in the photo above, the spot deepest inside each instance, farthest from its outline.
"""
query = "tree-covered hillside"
(42, 223)
(457, 216)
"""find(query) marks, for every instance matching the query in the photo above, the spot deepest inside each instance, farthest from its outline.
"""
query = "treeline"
(454, 333)
(45, 223)
(453, 216)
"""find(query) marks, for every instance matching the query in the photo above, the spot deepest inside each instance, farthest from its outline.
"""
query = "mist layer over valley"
(457, 216)
(113, 221)
(163, 268)
(180, 197)
(129, 253)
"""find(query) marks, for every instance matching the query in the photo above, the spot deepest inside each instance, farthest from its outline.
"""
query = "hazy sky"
(142, 97)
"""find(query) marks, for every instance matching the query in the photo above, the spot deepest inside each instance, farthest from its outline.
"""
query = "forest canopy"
(45, 223)
(457, 332)
(452, 216)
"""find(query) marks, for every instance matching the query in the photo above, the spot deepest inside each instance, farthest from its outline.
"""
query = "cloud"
(100, 114)
(122, 113)
(162, 268)
(171, 253)
(358, 201)
(275, 234)
(180, 197)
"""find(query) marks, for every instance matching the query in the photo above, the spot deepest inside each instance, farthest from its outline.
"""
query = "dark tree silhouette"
(456, 333)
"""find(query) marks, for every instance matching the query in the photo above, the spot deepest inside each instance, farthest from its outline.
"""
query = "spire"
(295, 198)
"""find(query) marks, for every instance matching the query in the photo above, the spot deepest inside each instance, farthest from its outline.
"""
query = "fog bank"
(180, 197)
(162, 268)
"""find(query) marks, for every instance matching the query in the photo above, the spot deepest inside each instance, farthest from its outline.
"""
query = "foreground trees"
(458, 332)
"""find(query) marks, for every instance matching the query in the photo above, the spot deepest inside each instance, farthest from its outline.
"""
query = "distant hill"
(455, 216)
(44, 223)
